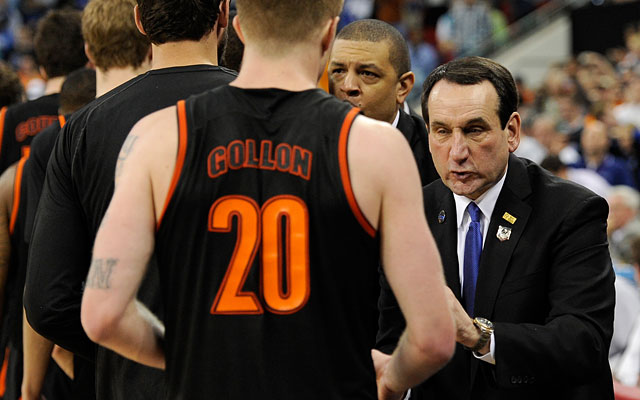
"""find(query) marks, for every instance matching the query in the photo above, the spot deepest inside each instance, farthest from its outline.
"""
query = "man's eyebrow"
(476, 121)
(369, 66)
(336, 64)
(438, 124)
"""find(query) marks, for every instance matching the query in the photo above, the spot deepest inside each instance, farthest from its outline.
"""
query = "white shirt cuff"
(490, 356)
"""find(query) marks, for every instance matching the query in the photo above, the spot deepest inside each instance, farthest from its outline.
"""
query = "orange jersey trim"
(3, 372)
(16, 189)
(3, 112)
(62, 120)
(344, 172)
(182, 152)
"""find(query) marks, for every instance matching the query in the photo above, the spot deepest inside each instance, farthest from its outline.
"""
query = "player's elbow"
(99, 318)
(436, 345)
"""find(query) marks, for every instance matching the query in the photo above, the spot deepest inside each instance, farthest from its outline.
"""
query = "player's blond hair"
(109, 30)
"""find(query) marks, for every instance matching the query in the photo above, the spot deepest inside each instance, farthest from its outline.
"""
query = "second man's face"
(361, 73)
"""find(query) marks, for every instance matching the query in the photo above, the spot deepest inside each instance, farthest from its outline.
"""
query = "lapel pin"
(509, 218)
(442, 216)
(504, 233)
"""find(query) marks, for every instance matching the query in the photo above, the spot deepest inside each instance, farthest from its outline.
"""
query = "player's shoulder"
(47, 104)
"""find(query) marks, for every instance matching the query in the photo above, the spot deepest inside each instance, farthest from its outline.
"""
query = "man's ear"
(87, 52)
(136, 15)
(404, 86)
(236, 26)
(328, 34)
(513, 131)
(223, 15)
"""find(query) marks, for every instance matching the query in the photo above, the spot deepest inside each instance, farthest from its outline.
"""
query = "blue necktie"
(472, 251)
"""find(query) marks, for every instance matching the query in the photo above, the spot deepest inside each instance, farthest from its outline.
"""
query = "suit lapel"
(496, 253)
(445, 234)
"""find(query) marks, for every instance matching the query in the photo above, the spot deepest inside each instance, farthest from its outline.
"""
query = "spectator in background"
(595, 144)
(424, 59)
(629, 111)
(11, 90)
(463, 28)
(582, 176)
(623, 223)
(544, 131)
(624, 354)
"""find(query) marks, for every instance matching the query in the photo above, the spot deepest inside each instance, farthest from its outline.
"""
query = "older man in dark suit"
(525, 253)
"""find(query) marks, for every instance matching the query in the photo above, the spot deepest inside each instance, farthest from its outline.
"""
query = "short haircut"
(110, 32)
(167, 21)
(58, 42)
(11, 90)
(376, 31)
(78, 89)
(473, 71)
(277, 22)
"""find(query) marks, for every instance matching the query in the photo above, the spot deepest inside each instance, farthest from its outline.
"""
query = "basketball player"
(59, 50)
(79, 182)
(268, 204)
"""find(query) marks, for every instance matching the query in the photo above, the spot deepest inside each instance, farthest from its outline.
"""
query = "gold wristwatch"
(486, 329)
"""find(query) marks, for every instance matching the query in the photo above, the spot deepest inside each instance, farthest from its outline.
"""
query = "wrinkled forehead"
(448, 99)
(361, 52)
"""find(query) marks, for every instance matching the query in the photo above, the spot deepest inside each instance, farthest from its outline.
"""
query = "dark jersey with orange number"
(269, 269)
(21, 122)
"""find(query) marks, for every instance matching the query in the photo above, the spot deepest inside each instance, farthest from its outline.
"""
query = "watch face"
(484, 323)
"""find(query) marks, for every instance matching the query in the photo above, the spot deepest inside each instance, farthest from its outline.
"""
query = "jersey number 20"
(263, 226)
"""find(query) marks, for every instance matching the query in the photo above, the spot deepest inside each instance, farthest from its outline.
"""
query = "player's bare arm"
(111, 315)
(6, 204)
(37, 352)
(387, 187)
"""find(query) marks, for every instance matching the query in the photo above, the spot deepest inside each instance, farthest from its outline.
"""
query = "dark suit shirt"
(548, 289)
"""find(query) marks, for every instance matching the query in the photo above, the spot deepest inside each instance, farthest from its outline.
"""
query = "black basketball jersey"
(21, 122)
(268, 267)
(77, 190)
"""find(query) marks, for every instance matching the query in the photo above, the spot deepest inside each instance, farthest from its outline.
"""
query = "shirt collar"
(395, 121)
(486, 202)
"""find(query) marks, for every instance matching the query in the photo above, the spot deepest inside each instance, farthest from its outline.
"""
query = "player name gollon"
(248, 154)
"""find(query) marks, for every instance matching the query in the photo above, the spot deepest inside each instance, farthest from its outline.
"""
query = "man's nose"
(459, 147)
(350, 86)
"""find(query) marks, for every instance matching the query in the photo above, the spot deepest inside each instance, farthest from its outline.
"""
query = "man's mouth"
(461, 175)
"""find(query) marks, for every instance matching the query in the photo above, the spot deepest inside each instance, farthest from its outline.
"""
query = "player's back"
(269, 277)
(21, 122)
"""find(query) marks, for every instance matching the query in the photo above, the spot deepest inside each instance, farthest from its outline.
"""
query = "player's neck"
(296, 70)
(178, 54)
(54, 85)
(114, 77)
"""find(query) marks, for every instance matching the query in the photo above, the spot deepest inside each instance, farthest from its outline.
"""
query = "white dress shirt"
(486, 203)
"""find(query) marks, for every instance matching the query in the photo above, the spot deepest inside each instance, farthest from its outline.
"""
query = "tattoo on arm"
(127, 147)
(100, 273)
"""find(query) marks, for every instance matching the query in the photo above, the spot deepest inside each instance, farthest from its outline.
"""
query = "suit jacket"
(414, 130)
(548, 289)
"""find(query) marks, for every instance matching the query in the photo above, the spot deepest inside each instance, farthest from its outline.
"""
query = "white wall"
(532, 57)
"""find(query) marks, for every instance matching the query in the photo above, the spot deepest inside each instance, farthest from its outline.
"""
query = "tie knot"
(474, 212)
